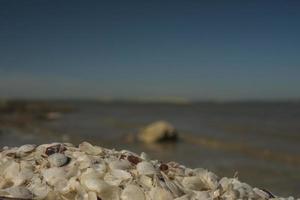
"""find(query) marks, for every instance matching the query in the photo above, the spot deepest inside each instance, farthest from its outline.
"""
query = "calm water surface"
(259, 141)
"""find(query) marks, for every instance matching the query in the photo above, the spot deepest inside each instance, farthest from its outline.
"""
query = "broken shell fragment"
(159, 193)
(145, 168)
(132, 192)
(25, 149)
(90, 149)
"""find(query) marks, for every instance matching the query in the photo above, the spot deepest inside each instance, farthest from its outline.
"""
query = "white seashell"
(159, 193)
(17, 192)
(10, 169)
(230, 193)
(100, 168)
(84, 161)
(58, 160)
(24, 175)
(120, 174)
(193, 183)
(70, 186)
(201, 195)
(120, 164)
(53, 175)
(225, 182)
(38, 188)
(17, 173)
(184, 197)
(92, 195)
(132, 192)
(145, 168)
(146, 181)
(72, 169)
(208, 178)
(171, 186)
(111, 193)
(90, 149)
(24, 149)
(93, 183)
(262, 194)
(112, 180)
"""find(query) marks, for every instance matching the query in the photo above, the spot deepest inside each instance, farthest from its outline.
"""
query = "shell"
(90, 149)
(261, 193)
(53, 175)
(120, 164)
(146, 181)
(209, 178)
(94, 184)
(184, 197)
(159, 193)
(58, 160)
(132, 192)
(171, 186)
(121, 174)
(100, 168)
(17, 192)
(193, 183)
(145, 168)
(38, 188)
(201, 195)
(25, 149)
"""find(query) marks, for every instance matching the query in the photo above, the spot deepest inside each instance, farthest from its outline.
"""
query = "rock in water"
(65, 172)
(158, 132)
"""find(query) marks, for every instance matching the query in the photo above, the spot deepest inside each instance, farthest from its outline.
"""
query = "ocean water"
(259, 142)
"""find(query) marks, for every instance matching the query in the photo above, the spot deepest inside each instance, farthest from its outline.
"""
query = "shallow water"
(259, 141)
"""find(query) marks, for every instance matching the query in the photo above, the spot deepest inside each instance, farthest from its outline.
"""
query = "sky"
(201, 50)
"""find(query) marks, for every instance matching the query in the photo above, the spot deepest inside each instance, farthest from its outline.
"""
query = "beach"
(258, 141)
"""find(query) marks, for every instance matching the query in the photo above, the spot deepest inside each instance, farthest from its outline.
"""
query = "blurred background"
(223, 75)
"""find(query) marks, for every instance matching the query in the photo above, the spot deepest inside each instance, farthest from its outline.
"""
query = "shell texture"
(61, 171)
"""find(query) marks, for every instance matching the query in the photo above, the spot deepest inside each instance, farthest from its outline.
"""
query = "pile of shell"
(63, 171)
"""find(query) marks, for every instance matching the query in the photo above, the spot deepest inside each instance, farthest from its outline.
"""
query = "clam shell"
(53, 175)
(17, 192)
(24, 149)
(121, 174)
(145, 168)
(90, 149)
(193, 183)
(132, 192)
(159, 193)
(120, 164)
(39, 189)
(58, 160)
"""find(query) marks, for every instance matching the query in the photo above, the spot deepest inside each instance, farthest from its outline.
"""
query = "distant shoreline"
(158, 101)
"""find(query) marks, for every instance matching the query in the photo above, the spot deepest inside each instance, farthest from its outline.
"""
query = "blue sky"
(204, 50)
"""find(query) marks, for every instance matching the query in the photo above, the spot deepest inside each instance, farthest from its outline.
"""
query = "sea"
(258, 142)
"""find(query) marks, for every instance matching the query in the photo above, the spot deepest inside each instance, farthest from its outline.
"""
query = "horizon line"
(154, 100)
